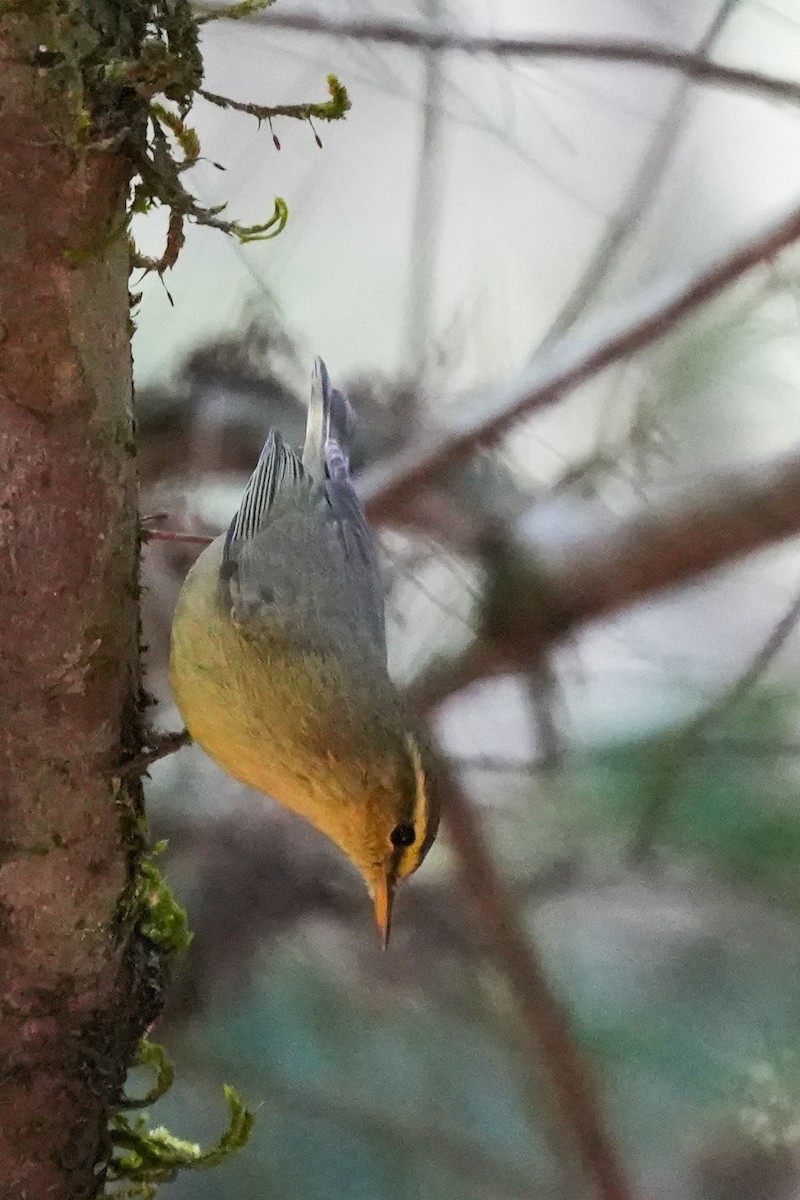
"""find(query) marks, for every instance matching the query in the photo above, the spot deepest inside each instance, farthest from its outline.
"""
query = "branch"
(542, 1020)
(753, 747)
(533, 605)
(173, 535)
(569, 363)
(637, 53)
(159, 746)
(330, 110)
(627, 218)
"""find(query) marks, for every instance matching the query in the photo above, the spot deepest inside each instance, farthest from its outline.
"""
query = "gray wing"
(278, 470)
(343, 502)
(278, 482)
(299, 548)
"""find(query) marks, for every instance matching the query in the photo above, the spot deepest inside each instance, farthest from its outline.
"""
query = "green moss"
(129, 74)
(154, 1057)
(142, 1158)
(153, 909)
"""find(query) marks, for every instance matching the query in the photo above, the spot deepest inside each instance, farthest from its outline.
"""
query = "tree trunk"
(72, 984)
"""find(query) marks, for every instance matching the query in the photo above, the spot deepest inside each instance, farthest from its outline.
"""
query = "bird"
(278, 660)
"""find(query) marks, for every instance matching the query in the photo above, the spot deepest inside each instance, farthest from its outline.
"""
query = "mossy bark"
(74, 996)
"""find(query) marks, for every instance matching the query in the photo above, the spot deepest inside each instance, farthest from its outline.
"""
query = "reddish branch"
(569, 363)
(608, 571)
(625, 221)
(614, 50)
(172, 535)
(656, 550)
(543, 1023)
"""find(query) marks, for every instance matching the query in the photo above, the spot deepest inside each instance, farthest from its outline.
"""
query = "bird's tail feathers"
(329, 426)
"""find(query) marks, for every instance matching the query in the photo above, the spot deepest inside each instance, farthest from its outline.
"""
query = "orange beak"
(383, 895)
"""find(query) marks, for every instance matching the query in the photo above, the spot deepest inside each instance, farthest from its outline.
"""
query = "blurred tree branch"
(532, 605)
(543, 1023)
(694, 65)
(680, 747)
(387, 490)
(624, 223)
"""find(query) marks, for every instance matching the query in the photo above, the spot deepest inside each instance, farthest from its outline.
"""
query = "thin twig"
(171, 535)
(681, 746)
(542, 1020)
(541, 685)
(633, 52)
(159, 747)
(624, 223)
(568, 364)
(497, 764)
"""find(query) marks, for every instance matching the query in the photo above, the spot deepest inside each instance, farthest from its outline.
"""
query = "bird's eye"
(402, 835)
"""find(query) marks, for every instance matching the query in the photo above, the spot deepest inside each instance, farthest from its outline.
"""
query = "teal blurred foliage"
(359, 1095)
(727, 798)
(679, 971)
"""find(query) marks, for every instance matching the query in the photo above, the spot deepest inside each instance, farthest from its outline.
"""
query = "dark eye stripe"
(409, 857)
(431, 830)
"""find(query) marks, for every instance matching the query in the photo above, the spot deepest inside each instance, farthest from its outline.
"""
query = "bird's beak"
(383, 895)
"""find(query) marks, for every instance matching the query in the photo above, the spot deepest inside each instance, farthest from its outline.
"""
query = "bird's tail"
(329, 426)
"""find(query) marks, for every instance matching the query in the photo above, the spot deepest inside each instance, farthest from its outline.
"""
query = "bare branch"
(159, 746)
(752, 747)
(608, 571)
(637, 53)
(497, 764)
(624, 223)
(571, 362)
(173, 535)
(542, 1021)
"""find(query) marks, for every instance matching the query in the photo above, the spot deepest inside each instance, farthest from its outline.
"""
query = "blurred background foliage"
(640, 795)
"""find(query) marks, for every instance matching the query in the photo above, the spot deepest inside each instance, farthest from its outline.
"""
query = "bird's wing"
(277, 471)
(246, 571)
(299, 549)
(355, 538)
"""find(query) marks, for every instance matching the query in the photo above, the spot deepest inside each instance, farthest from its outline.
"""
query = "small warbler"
(278, 661)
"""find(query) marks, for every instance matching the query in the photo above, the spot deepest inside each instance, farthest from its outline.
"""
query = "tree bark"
(72, 984)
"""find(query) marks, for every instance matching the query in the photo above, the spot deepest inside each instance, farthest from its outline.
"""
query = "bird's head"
(386, 820)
